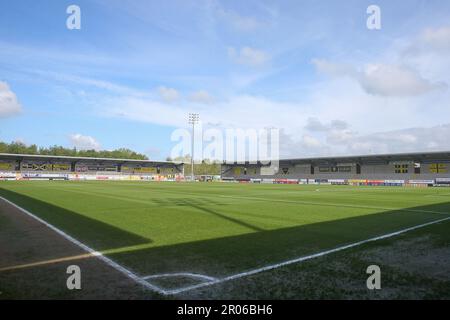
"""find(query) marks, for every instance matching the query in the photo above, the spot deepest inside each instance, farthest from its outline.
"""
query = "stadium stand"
(415, 169)
(407, 169)
(23, 166)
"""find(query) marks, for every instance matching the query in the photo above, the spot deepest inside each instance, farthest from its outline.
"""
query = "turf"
(219, 229)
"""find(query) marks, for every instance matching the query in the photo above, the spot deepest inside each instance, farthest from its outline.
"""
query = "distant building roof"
(373, 158)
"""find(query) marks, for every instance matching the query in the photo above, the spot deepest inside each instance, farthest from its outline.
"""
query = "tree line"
(22, 148)
(206, 167)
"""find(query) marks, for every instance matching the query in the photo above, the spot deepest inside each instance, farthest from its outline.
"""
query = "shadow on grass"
(227, 255)
(223, 256)
(96, 234)
(199, 204)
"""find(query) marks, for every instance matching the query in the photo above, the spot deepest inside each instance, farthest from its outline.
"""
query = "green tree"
(17, 147)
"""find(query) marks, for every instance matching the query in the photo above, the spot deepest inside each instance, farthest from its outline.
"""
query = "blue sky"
(312, 69)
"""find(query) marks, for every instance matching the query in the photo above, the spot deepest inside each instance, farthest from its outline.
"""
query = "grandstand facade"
(390, 169)
(24, 166)
(432, 168)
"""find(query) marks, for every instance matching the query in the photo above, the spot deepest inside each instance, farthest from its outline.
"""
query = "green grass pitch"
(219, 229)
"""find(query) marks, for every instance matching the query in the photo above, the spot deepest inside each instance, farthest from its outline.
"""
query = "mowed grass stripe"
(230, 216)
(286, 193)
(170, 203)
(215, 231)
(325, 204)
(114, 195)
(416, 201)
(240, 198)
(174, 203)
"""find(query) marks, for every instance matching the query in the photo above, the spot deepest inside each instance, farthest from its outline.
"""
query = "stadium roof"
(12, 156)
(443, 156)
(418, 156)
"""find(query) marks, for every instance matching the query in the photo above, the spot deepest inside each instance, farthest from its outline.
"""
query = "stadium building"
(432, 168)
(419, 169)
(24, 166)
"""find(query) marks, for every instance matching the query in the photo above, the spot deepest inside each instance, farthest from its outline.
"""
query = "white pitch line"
(323, 204)
(331, 204)
(437, 195)
(301, 259)
(180, 274)
(212, 281)
(95, 253)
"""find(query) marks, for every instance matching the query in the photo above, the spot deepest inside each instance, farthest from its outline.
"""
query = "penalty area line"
(181, 274)
(301, 259)
(209, 281)
(93, 252)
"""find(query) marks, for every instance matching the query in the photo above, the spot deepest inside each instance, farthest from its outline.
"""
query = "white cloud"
(346, 124)
(390, 80)
(382, 79)
(248, 56)
(436, 38)
(237, 21)
(144, 110)
(428, 53)
(405, 140)
(333, 69)
(337, 104)
(339, 137)
(168, 94)
(314, 124)
(82, 142)
(337, 132)
(87, 82)
(242, 111)
(356, 111)
(9, 105)
(310, 142)
(420, 139)
(20, 140)
(201, 96)
(261, 16)
(293, 147)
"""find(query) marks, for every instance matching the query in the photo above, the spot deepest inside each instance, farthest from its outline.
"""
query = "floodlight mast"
(193, 119)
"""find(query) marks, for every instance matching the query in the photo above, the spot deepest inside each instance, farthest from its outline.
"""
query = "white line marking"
(324, 204)
(301, 259)
(181, 274)
(95, 253)
(330, 204)
(210, 280)
(438, 195)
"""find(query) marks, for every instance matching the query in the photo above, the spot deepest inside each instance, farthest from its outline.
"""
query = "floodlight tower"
(193, 119)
